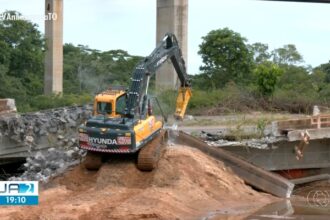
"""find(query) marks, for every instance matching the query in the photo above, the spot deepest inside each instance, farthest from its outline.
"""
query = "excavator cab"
(110, 103)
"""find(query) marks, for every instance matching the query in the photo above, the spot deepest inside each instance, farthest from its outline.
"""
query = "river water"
(308, 202)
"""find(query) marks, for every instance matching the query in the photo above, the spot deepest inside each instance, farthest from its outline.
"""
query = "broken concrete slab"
(283, 127)
(7, 106)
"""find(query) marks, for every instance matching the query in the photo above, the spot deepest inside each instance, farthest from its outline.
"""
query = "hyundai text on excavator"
(122, 121)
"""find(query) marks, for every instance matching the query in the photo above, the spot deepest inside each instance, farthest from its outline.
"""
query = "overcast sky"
(131, 24)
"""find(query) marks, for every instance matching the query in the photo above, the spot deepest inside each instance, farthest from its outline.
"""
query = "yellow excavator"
(123, 122)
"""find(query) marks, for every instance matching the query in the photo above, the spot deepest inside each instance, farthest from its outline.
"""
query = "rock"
(39, 156)
(63, 120)
(70, 153)
(44, 120)
(72, 124)
(74, 116)
(47, 172)
(26, 165)
(15, 138)
(43, 132)
(29, 139)
(53, 129)
(51, 149)
(36, 130)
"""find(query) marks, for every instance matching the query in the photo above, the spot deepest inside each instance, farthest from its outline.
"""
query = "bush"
(42, 102)
(267, 75)
(295, 101)
(231, 98)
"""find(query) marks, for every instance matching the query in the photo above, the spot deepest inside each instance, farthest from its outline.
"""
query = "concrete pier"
(172, 16)
(53, 78)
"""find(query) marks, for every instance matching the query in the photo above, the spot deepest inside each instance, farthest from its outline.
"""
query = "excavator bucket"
(182, 102)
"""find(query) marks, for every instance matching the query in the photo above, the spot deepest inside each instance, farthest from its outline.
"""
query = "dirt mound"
(186, 184)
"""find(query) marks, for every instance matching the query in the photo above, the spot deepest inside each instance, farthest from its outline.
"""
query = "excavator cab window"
(120, 105)
(104, 108)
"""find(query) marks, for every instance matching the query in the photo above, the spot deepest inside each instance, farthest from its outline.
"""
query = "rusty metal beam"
(251, 174)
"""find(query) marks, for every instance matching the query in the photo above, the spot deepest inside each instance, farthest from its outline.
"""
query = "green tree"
(318, 79)
(10, 87)
(226, 57)
(326, 69)
(88, 70)
(260, 52)
(288, 54)
(203, 81)
(21, 58)
(267, 75)
(294, 77)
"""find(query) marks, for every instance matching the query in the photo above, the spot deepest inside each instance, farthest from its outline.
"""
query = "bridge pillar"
(53, 77)
(172, 16)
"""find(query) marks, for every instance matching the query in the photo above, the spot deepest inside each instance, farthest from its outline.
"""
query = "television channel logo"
(19, 193)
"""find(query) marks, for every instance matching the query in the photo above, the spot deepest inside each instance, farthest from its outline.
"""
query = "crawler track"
(149, 155)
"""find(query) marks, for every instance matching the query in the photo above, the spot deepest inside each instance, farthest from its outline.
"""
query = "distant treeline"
(86, 71)
(235, 76)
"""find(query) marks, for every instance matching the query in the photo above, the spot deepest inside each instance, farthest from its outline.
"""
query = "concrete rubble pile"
(30, 128)
(44, 165)
(261, 143)
(48, 139)
(267, 139)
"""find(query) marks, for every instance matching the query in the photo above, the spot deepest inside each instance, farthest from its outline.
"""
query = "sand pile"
(187, 184)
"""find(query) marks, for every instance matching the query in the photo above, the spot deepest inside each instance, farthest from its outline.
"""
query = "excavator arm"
(168, 49)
